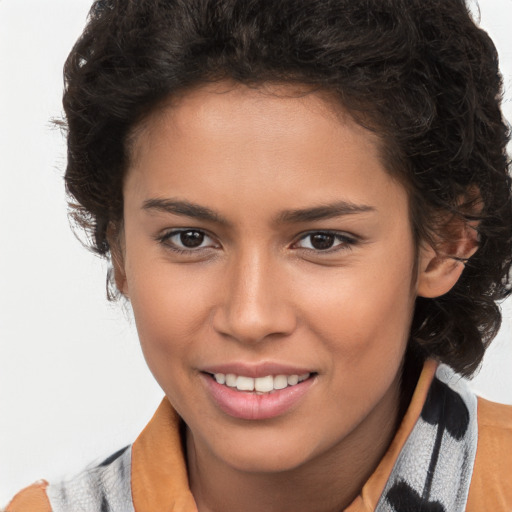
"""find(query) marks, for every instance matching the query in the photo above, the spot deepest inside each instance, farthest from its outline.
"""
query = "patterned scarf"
(434, 468)
(431, 474)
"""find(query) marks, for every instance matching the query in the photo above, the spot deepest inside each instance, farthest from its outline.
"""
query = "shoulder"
(105, 486)
(31, 499)
(491, 484)
(494, 449)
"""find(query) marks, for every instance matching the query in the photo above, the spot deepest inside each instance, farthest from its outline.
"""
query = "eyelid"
(165, 239)
(347, 241)
(344, 240)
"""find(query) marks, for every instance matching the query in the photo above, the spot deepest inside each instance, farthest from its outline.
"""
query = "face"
(269, 261)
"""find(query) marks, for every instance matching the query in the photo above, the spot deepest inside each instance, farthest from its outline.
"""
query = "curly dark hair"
(419, 73)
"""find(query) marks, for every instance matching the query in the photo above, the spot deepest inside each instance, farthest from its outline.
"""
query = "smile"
(266, 384)
(261, 396)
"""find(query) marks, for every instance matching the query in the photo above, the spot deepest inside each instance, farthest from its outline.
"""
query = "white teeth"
(231, 380)
(264, 384)
(244, 383)
(259, 384)
(280, 382)
(220, 378)
(292, 380)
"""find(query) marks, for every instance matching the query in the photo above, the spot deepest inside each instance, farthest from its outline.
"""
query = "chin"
(271, 461)
(266, 454)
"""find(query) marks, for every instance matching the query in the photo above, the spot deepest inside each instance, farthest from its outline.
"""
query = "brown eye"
(322, 241)
(326, 241)
(187, 240)
(191, 239)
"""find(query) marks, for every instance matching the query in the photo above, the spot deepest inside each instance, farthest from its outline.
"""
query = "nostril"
(252, 322)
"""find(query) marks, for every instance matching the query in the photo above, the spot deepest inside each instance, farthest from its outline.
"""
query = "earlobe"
(120, 277)
(115, 237)
(438, 275)
(440, 269)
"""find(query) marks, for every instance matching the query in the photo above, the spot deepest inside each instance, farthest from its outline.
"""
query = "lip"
(252, 406)
(257, 370)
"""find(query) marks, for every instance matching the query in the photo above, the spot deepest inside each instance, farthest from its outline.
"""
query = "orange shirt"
(159, 475)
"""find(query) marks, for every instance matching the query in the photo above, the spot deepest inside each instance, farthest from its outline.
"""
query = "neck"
(327, 483)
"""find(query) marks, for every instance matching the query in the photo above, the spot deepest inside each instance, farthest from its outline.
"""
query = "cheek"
(364, 313)
(171, 311)
(362, 333)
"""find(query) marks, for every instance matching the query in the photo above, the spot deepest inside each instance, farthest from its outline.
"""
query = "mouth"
(258, 398)
(259, 385)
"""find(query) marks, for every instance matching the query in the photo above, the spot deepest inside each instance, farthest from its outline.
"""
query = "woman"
(307, 205)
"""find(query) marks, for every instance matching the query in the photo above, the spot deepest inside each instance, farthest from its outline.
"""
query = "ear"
(440, 267)
(115, 238)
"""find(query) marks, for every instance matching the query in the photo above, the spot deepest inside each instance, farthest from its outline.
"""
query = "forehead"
(279, 142)
(263, 114)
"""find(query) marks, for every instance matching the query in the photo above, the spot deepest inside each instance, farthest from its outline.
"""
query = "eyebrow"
(328, 211)
(185, 208)
(189, 209)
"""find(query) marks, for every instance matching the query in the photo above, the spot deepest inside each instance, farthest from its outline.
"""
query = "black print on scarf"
(444, 408)
(113, 457)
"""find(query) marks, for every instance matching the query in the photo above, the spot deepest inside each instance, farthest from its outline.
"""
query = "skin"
(256, 290)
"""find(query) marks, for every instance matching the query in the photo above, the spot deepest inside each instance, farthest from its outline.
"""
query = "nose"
(254, 305)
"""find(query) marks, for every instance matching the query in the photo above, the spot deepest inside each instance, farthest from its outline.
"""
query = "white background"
(73, 383)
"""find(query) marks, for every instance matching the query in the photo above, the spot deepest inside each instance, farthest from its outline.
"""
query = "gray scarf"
(434, 468)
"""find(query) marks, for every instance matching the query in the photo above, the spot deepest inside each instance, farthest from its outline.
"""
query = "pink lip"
(252, 406)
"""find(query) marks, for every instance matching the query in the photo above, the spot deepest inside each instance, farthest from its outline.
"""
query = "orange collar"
(159, 471)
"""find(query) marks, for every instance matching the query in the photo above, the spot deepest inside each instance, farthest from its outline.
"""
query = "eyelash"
(346, 242)
(165, 240)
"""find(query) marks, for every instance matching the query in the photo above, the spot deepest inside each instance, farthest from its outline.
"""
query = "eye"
(325, 241)
(187, 240)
